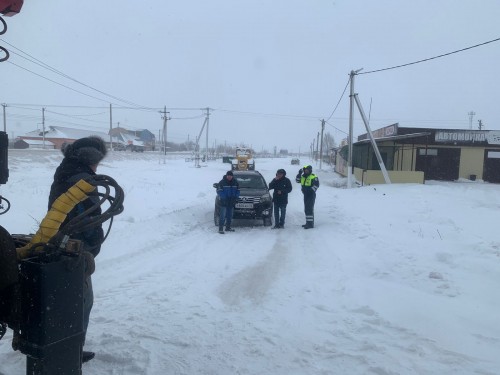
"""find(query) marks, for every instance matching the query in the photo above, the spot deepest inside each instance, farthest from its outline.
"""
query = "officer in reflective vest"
(309, 183)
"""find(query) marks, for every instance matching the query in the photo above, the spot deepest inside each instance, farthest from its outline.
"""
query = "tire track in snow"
(254, 282)
(159, 242)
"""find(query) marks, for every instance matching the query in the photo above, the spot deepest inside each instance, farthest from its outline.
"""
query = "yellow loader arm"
(55, 217)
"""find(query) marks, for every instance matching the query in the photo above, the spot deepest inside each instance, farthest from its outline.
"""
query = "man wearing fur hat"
(282, 187)
(81, 159)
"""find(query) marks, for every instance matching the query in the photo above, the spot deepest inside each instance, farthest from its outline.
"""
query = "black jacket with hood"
(282, 187)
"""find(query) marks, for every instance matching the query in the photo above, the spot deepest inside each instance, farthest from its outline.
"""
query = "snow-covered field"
(394, 279)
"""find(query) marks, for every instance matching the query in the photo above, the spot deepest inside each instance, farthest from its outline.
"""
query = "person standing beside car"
(228, 192)
(282, 187)
(309, 183)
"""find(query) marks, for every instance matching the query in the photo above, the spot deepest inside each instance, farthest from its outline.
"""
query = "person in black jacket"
(80, 161)
(282, 187)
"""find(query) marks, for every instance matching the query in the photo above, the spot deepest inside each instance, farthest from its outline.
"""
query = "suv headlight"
(266, 198)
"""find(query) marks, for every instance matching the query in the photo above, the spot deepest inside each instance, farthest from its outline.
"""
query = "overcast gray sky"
(270, 70)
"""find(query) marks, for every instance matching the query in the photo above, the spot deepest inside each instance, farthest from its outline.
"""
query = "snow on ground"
(394, 279)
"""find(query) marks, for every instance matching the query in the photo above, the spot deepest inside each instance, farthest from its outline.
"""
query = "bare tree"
(328, 142)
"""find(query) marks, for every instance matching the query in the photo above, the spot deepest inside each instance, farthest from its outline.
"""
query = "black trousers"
(309, 200)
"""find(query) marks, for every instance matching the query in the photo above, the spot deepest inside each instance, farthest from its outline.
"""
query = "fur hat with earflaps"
(88, 151)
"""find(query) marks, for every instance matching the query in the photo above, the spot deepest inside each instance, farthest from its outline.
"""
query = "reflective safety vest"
(307, 180)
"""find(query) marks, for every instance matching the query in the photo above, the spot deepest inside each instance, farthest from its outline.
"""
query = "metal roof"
(395, 137)
(66, 133)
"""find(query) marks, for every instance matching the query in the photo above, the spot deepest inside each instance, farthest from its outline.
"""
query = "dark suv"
(254, 202)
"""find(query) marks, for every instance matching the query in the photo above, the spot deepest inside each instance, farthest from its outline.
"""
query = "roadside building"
(418, 154)
(33, 143)
(59, 135)
(135, 140)
(132, 143)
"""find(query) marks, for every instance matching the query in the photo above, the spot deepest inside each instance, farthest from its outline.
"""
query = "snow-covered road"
(398, 279)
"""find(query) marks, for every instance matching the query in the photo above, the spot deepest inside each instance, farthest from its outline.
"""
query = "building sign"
(388, 131)
(468, 136)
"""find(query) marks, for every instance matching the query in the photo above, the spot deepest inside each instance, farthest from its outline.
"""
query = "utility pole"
(165, 118)
(480, 127)
(110, 126)
(321, 147)
(43, 127)
(206, 141)
(351, 121)
(471, 115)
(383, 169)
(317, 146)
(4, 118)
(354, 99)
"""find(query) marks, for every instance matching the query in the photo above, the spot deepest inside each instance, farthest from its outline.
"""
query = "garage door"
(438, 163)
(491, 171)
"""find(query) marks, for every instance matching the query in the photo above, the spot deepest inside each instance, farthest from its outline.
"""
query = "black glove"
(300, 171)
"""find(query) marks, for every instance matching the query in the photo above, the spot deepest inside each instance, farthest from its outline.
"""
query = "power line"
(52, 105)
(39, 106)
(431, 58)
(57, 83)
(62, 122)
(24, 117)
(38, 62)
(305, 117)
(115, 106)
(50, 120)
(345, 88)
(187, 118)
(78, 117)
(340, 130)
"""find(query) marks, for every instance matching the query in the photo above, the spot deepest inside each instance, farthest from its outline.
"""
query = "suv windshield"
(251, 182)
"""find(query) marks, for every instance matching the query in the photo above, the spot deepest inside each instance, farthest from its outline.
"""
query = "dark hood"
(252, 192)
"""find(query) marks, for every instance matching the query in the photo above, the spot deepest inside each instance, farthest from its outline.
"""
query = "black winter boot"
(221, 230)
(87, 356)
(229, 229)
